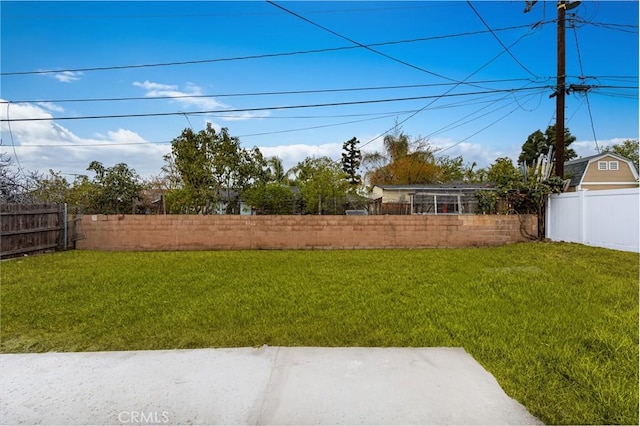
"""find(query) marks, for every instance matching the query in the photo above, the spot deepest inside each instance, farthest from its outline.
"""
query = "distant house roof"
(575, 169)
(460, 186)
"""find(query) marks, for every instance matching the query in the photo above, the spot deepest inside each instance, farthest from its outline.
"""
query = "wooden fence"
(33, 228)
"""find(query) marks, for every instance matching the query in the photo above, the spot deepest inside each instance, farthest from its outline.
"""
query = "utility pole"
(560, 90)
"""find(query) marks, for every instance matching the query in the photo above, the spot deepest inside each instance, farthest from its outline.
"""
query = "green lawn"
(556, 324)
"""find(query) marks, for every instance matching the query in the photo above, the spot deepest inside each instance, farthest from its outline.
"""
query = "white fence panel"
(609, 218)
(562, 218)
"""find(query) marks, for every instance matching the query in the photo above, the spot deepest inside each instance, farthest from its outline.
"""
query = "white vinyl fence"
(608, 218)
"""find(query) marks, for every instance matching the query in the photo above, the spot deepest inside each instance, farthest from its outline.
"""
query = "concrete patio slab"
(268, 385)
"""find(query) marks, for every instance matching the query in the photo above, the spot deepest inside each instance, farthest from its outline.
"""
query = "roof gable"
(575, 169)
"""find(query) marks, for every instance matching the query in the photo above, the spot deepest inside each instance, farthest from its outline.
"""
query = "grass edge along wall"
(229, 232)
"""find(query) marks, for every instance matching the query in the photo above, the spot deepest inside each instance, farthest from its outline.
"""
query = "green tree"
(115, 188)
(396, 146)
(503, 173)
(402, 162)
(451, 169)
(473, 175)
(208, 164)
(271, 198)
(188, 167)
(351, 160)
(14, 188)
(538, 143)
(514, 193)
(627, 149)
(323, 185)
(170, 175)
(83, 195)
(51, 188)
(235, 168)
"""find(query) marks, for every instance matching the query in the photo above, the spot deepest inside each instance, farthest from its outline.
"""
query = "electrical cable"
(188, 121)
(282, 107)
(479, 131)
(448, 91)
(633, 29)
(586, 93)
(13, 144)
(528, 110)
(200, 15)
(249, 57)
(377, 52)
(454, 124)
(250, 94)
(498, 39)
(106, 144)
(618, 95)
(379, 116)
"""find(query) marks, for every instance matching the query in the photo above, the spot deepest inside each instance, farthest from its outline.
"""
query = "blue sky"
(480, 76)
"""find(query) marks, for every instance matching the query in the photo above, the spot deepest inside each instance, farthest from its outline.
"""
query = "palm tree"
(396, 146)
(402, 162)
(276, 170)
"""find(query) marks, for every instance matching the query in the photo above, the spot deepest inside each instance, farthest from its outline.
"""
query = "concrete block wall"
(227, 232)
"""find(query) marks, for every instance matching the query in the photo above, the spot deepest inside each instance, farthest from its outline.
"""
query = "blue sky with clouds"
(474, 79)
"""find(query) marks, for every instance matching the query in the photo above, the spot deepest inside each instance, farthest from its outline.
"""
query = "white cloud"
(124, 136)
(191, 96)
(588, 147)
(44, 145)
(470, 152)
(155, 90)
(481, 154)
(293, 154)
(148, 85)
(51, 106)
(241, 116)
(65, 76)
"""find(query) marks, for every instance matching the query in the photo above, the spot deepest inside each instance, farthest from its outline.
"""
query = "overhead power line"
(13, 143)
(466, 119)
(586, 92)
(248, 94)
(449, 90)
(478, 132)
(250, 57)
(205, 15)
(378, 116)
(631, 29)
(284, 107)
(367, 47)
(498, 39)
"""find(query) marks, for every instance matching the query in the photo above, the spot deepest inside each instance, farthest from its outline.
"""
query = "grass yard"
(556, 324)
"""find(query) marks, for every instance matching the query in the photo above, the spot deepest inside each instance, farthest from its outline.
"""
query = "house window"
(602, 165)
(613, 165)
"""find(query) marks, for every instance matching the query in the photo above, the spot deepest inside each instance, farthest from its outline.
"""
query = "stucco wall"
(182, 232)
